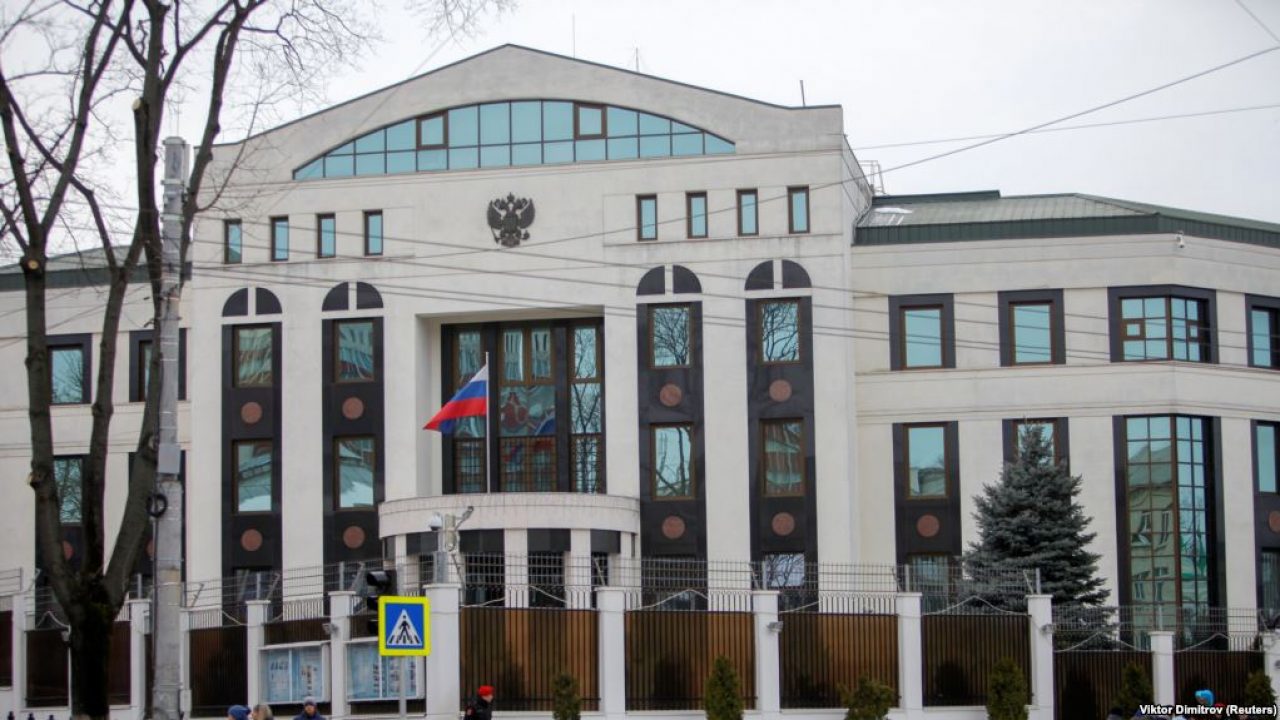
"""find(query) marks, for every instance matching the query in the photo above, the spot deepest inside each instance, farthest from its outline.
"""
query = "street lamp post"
(447, 525)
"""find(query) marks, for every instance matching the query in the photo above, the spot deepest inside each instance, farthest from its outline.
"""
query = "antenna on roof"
(574, 31)
(802, 102)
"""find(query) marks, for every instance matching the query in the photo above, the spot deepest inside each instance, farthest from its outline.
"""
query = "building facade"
(706, 339)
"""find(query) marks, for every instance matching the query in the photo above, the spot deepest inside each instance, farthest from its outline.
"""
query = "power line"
(1258, 20)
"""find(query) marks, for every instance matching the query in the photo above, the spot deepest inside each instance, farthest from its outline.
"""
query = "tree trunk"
(91, 628)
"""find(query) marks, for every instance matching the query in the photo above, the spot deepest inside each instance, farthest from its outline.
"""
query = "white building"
(710, 341)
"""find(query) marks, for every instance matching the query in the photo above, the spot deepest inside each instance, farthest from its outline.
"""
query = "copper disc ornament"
(1273, 521)
(779, 391)
(927, 526)
(783, 524)
(673, 528)
(353, 537)
(68, 550)
(250, 413)
(670, 395)
(353, 408)
(251, 540)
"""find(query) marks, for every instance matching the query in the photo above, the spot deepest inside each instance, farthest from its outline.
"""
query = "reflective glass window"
(586, 353)
(1032, 332)
(1264, 337)
(783, 570)
(655, 146)
(67, 375)
(433, 160)
(696, 214)
(622, 122)
(255, 471)
(339, 166)
(672, 462)
(67, 475)
(431, 131)
(354, 341)
(464, 127)
(554, 153)
(647, 217)
(373, 142)
(654, 125)
(589, 150)
(495, 124)
(747, 224)
(798, 209)
(780, 331)
(669, 335)
(557, 121)
(624, 148)
(1269, 579)
(400, 137)
(464, 158)
(1266, 451)
(783, 442)
(326, 236)
(279, 238)
(356, 460)
(926, 461)
(527, 154)
(233, 240)
(590, 121)
(526, 122)
(922, 336)
(683, 145)
(1165, 328)
(373, 233)
(252, 357)
(495, 156)
(371, 164)
(1046, 429)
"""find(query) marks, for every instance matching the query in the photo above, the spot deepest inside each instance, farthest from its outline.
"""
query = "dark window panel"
(646, 217)
(672, 462)
(798, 209)
(748, 220)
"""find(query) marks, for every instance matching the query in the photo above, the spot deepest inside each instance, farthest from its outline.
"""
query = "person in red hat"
(481, 708)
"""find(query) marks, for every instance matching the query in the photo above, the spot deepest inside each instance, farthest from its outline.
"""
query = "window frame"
(1116, 296)
(1263, 554)
(754, 193)
(337, 349)
(792, 192)
(1270, 305)
(320, 220)
(689, 197)
(760, 304)
(236, 478)
(688, 309)
(948, 461)
(1011, 428)
(444, 134)
(1008, 302)
(226, 242)
(79, 459)
(1254, 426)
(337, 473)
(235, 354)
(382, 234)
(898, 305)
(640, 225)
(137, 371)
(81, 342)
(275, 223)
(653, 462)
(577, 125)
(764, 457)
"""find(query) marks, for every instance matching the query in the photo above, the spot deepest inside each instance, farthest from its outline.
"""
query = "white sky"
(910, 70)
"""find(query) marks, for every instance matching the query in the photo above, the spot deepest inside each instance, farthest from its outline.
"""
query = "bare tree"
(57, 104)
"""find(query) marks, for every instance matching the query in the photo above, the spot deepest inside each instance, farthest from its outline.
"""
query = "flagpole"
(488, 428)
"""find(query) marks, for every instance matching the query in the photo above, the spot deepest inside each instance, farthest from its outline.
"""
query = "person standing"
(237, 712)
(481, 708)
(262, 711)
(309, 711)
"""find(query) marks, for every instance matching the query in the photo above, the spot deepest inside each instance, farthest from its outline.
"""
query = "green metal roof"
(986, 215)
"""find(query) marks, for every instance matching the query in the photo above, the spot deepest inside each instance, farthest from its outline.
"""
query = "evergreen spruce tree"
(723, 694)
(1007, 693)
(1135, 689)
(1030, 520)
(566, 703)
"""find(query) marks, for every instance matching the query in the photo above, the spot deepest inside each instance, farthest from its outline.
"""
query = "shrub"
(1258, 691)
(723, 695)
(566, 705)
(869, 700)
(1135, 689)
(1007, 693)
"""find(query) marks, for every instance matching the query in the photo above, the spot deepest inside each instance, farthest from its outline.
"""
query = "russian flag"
(471, 401)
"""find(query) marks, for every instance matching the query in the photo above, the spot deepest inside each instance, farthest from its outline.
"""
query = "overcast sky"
(915, 70)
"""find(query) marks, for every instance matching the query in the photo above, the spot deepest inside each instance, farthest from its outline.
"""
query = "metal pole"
(403, 665)
(168, 540)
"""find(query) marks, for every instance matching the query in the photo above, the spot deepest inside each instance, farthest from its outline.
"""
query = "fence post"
(611, 657)
(255, 636)
(340, 624)
(768, 693)
(1162, 683)
(139, 612)
(184, 673)
(1271, 660)
(444, 697)
(19, 666)
(910, 655)
(1040, 612)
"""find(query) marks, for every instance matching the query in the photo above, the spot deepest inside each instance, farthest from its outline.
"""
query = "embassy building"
(707, 338)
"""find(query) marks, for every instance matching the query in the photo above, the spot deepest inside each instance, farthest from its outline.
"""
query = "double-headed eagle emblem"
(509, 218)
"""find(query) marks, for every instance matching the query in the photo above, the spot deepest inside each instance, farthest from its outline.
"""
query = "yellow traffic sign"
(404, 626)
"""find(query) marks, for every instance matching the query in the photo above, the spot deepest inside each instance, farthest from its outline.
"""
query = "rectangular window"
(1266, 453)
(930, 575)
(1161, 327)
(922, 337)
(143, 368)
(233, 242)
(355, 460)
(67, 375)
(142, 350)
(1032, 336)
(783, 456)
(589, 122)
(527, 407)
(546, 580)
(747, 210)
(326, 236)
(672, 462)
(291, 674)
(1264, 331)
(646, 217)
(1169, 488)
(1269, 580)
(255, 474)
(927, 462)
(586, 411)
(779, 331)
(1050, 429)
(67, 475)
(433, 131)
(696, 214)
(373, 232)
(354, 351)
(669, 337)
(783, 571)
(253, 356)
(279, 238)
(798, 210)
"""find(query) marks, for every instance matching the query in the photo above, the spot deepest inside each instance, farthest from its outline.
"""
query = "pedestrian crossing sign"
(404, 626)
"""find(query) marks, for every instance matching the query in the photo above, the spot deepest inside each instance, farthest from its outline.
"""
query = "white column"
(1162, 667)
(1040, 608)
(254, 640)
(340, 619)
(1271, 662)
(611, 656)
(444, 697)
(910, 656)
(139, 619)
(515, 543)
(577, 570)
(764, 603)
(19, 666)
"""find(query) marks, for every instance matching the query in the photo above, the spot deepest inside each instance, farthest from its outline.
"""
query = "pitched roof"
(987, 215)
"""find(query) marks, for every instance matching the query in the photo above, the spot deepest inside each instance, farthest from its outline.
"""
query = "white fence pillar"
(1271, 662)
(910, 655)
(1162, 667)
(255, 637)
(339, 633)
(139, 623)
(1040, 609)
(768, 693)
(444, 697)
(19, 659)
(184, 673)
(611, 657)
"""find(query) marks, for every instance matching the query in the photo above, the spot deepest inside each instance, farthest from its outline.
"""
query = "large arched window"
(516, 133)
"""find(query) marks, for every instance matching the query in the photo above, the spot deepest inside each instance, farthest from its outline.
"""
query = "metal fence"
(219, 669)
(6, 648)
(821, 652)
(46, 668)
(1092, 648)
(670, 654)
(960, 650)
(523, 650)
